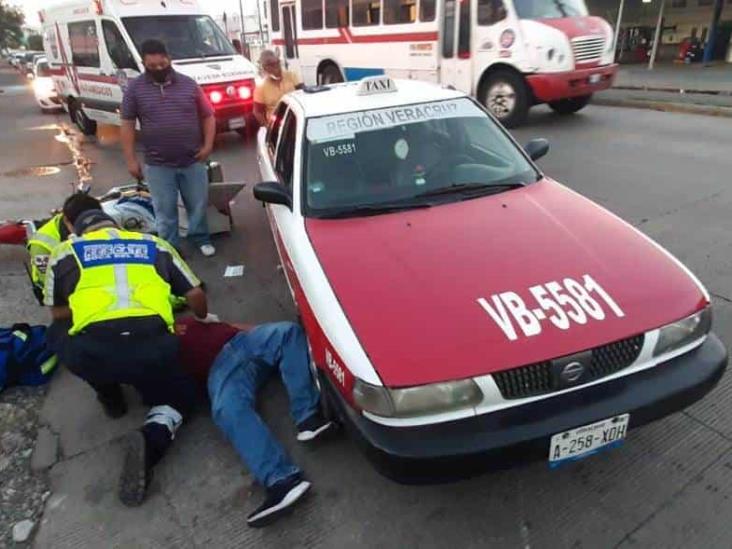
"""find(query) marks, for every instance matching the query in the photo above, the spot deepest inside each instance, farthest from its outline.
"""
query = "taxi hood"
(435, 294)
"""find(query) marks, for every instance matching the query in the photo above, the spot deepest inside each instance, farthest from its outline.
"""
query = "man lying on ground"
(235, 361)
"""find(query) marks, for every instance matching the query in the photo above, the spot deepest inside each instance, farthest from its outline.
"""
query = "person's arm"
(209, 133)
(197, 302)
(127, 134)
(128, 114)
(60, 313)
(260, 113)
(62, 275)
(208, 125)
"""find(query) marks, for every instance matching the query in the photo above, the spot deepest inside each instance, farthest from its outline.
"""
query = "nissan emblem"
(572, 372)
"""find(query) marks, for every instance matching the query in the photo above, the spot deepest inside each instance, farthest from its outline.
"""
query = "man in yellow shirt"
(277, 82)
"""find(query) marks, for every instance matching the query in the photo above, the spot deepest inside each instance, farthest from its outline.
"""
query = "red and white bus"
(510, 54)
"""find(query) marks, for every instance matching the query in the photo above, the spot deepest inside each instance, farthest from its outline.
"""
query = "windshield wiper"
(372, 209)
(468, 187)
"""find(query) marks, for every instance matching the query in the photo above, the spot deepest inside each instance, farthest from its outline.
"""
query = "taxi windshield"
(407, 156)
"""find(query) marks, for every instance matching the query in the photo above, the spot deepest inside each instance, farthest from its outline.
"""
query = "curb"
(673, 90)
(664, 106)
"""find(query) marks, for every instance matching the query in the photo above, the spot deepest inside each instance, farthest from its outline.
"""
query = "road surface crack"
(667, 503)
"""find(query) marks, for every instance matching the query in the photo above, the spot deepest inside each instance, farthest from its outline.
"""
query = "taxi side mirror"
(536, 148)
(273, 192)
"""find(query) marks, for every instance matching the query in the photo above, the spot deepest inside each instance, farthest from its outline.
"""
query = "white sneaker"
(208, 250)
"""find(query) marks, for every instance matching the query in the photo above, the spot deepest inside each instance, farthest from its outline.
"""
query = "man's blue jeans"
(240, 369)
(192, 182)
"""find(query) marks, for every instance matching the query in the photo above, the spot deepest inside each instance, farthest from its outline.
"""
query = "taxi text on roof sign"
(376, 84)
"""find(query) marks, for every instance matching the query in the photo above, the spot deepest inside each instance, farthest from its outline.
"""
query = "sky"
(213, 7)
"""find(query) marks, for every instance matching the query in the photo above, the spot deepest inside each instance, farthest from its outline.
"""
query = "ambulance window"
(448, 30)
(400, 11)
(275, 124)
(336, 13)
(84, 44)
(366, 12)
(491, 12)
(464, 30)
(285, 163)
(427, 10)
(274, 15)
(311, 14)
(117, 47)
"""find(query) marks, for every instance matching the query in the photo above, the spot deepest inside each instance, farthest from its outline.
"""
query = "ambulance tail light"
(216, 97)
(246, 91)
(683, 332)
(416, 401)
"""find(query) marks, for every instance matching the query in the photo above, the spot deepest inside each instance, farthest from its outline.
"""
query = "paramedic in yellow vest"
(46, 238)
(109, 290)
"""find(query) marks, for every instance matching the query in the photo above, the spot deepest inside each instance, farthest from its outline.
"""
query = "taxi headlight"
(416, 401)
(682, 332)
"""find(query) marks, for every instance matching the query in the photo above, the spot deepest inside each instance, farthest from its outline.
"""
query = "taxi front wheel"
(505, 95)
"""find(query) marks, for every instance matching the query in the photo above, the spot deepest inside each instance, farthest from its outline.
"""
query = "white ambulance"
(93, 51)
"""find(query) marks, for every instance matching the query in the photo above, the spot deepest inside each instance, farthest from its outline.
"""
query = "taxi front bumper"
(564, 85)
(458, 449)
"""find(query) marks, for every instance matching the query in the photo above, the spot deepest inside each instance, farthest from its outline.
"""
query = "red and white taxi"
(458, 302)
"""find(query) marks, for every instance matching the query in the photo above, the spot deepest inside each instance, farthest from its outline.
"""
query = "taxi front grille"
(588, 49)
(540, 379)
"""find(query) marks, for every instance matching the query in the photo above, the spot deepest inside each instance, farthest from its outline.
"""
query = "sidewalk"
(696, 88)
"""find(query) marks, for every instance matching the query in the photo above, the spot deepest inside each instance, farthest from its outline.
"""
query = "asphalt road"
(669, 486)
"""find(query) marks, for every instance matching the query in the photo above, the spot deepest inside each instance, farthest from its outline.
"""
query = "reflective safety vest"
(40, 246)
(117, 278)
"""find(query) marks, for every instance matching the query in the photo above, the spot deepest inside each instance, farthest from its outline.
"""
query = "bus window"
(427, 10)
(491, 12)
(366, 12)
(399, 11)
(274, 15)
(336, 13)
(84, 44)
(311, 14)
(448, 30)
(464, 30)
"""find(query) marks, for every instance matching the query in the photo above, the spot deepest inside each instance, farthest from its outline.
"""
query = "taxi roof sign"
(373, 85)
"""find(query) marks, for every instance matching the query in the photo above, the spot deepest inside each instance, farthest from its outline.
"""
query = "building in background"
(684, 22)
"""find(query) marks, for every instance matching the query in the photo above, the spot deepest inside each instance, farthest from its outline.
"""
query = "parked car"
(44, 88)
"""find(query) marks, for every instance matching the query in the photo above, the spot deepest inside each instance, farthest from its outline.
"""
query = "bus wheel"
(571, 105)
(505, 95)
(330, 75)
(82, 121)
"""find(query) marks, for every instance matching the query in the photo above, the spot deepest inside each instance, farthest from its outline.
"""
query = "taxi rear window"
(381, 156)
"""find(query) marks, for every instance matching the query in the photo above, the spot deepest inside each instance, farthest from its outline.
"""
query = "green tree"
(35, 42)
(11, 20)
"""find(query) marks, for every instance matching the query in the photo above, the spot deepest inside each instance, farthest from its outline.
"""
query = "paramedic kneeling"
(109, 291)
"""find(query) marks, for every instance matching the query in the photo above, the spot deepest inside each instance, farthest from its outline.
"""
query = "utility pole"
(617, 27)
(241, 14)
(261, 31)
(657, 37)
(226, 27)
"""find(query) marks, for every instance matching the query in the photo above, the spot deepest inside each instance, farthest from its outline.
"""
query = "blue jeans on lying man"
(240, 369)
(192, 182)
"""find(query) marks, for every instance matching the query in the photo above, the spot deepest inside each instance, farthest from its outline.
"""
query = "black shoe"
(313, 427)
(281, 496)
(114, 404)
(135, 477)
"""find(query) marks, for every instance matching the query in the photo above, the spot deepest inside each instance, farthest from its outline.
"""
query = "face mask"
(160, 75)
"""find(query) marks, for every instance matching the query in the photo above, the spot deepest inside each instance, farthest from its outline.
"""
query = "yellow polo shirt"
(270, 91)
